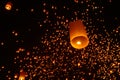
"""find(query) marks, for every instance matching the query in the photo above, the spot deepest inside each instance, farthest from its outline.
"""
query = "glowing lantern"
(78, 35)
(22, 75)
(16, 76)
(8, 6)
(76, 1)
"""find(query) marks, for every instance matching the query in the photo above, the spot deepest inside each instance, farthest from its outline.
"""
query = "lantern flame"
(21, 78)
(78, 42)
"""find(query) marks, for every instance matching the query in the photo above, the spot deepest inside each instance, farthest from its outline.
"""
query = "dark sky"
(32, 26)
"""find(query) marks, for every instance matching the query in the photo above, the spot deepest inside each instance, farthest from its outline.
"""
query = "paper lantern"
(78, 35)
(76, 1)
(8, 6)
(22, 75)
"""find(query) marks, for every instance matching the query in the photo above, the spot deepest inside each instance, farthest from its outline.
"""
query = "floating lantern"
(16, 76)
(76, 1)
(8, 6)
(22, 75)
(78, 35)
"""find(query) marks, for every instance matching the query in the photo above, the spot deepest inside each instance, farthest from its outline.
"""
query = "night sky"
(34, 37)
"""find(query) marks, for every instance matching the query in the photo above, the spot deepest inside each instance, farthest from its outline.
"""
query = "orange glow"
(22, 75)
(78, 42)
(76, 1)
(15, 76)
(78, 35)
(21, 78)
(8, 6)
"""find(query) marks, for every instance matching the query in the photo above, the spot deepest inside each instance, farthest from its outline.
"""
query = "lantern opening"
(79, 42)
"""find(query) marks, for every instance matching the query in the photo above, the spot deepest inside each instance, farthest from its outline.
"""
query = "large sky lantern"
(8, 6)
(78, 35)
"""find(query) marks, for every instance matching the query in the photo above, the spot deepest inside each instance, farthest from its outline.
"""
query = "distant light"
(15, 76)
(32, 10)
(76, 1)
(2, 43)
(8, 6)
(17, 9)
